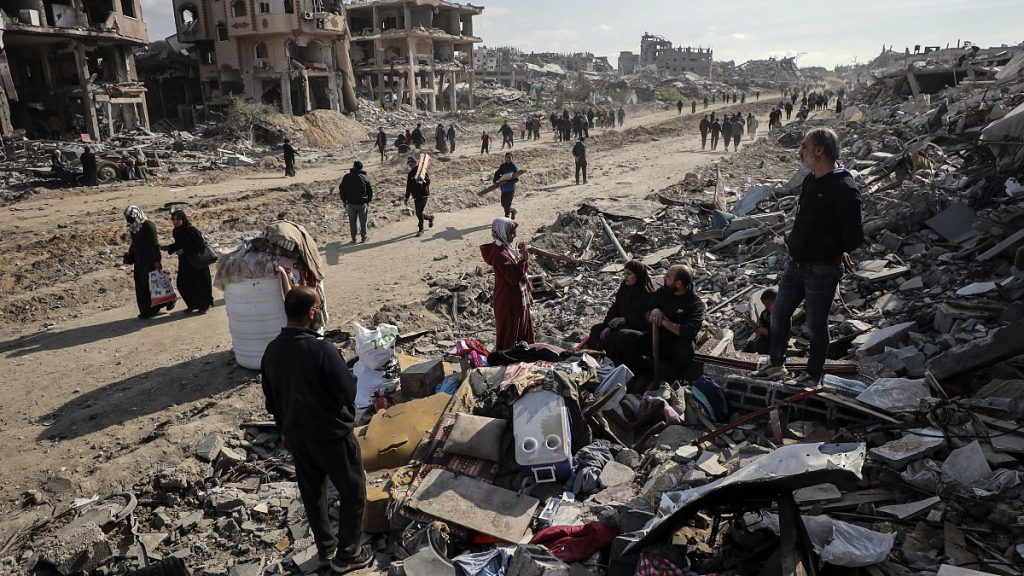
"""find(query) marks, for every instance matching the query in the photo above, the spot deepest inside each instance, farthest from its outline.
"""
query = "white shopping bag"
(161, 291)
(377, 368)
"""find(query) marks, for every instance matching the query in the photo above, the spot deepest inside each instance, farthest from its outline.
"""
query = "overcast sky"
(823, 33)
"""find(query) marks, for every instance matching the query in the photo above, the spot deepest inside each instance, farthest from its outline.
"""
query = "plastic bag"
(161, 291)
(377, 367)
(845, 544)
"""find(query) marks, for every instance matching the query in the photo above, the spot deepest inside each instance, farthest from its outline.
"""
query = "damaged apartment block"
(67, 67)
(413, 51)
(293, 54)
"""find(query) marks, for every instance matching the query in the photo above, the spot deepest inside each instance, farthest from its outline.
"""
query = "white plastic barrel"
(255, 317)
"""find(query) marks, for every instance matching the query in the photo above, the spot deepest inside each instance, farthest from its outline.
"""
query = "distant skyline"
(819, 33)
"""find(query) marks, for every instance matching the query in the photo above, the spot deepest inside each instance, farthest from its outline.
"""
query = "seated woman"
(629, 307)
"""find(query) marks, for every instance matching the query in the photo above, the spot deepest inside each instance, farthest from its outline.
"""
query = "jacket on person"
(705, 126)
(309, 390)
(355, 187)
(828, 220)
(413, 187)
(687, 311)
(417, 136)
(506, 168)
(580, 151)
(382, 140)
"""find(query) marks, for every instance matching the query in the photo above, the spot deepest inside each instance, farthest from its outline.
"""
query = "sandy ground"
(93, 400)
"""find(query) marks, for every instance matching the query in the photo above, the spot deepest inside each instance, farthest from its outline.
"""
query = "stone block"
(614, 474)
(533, 560)
(875, 342)
(81, 548)
(910, 447)
(1000, 344)
(209, 447)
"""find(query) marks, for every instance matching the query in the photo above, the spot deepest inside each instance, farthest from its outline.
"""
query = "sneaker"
(419, 233)
(353, 240)
(770, 373)
(807, 381)
(430, 219)
(364, 240)
(357, 562)
(514, 212)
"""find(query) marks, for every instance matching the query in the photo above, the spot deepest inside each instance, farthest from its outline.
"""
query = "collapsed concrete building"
(413, 51)
(67, 67)
(498, 65)
(658, 53)
(934, 69)
(290, 53)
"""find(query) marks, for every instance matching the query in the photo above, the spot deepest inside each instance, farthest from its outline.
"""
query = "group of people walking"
(728, 128)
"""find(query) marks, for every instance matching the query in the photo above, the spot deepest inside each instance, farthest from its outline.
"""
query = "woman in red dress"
(511, 263)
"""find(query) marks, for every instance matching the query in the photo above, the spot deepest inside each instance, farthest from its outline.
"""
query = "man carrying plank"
(417, 185)
(506, 176)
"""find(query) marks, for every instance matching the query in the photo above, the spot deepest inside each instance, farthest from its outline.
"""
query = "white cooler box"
(540, 424)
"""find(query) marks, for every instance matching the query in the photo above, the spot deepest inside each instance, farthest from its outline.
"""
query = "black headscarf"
(643, 279)
(179, 231)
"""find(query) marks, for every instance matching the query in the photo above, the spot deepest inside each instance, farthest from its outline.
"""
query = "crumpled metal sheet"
(785, 469)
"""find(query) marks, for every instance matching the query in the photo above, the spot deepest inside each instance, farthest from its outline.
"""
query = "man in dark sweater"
(677, 313)
(579, 152)
(356, 194)
(419, 190)
(311, 394)
(289, 157)
(827, 228)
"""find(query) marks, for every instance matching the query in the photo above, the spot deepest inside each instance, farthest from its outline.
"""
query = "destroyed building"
(934, 69)
(67, 67)
(290, 53)
(497, 65)
(413, 51)
(170, 72)
(657, 52)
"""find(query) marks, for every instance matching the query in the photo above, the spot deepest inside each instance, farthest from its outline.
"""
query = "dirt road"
(93, 400)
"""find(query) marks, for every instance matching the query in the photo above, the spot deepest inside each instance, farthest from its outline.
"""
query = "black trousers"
(703, 140)
(421, 205)
(289, 166)
(634, 349)
(451, 144)
(485, 148)
(714, 140)
(316, 461)
(506, 201)
(581, 165)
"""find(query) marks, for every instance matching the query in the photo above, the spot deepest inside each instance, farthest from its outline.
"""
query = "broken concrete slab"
(874, 342)
(913, 445)
(954, 223)
(895, 394)
(614, 474)
(1000, 344)
(819, 493)
(910, 509)
(708, 462)
(81, 548)
(965, 465)
(209, 447)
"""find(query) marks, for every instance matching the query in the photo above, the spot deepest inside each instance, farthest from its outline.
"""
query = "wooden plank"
(998, 248)
(475, 505)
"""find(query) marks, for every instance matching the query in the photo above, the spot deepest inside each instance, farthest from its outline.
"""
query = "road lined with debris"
(80, 397)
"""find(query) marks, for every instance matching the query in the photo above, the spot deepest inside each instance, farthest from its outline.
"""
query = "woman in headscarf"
(629, 307)
(511, 263)
(144, 255)
(194, 283)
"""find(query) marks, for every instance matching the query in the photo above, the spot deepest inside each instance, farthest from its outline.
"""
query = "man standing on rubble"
(827, 228)
(356, 194)
(382, 142)
(705, 126)
(419, 190)
(311, 394)
(677, 313)
(579, 152)
(289, 157)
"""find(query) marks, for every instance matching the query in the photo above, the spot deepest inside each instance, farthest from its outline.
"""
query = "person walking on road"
(726, 131)
(417, 137)
(716, 129)
(751, 124)
(693, 107)
(737, 131)
(507, 135)
(382, 142)
(621, 115)
(828, 226)
(419, 190)
(508, 187)
(194, 282)
(289, 157)
(579, 152)
(311, 394)
(356, 195)
(144, 257)
(451, 138)
(705, 126)
(679, 107)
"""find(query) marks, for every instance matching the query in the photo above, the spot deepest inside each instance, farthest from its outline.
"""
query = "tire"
(106, 172)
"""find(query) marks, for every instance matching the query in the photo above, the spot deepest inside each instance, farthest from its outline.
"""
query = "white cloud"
(739, 36)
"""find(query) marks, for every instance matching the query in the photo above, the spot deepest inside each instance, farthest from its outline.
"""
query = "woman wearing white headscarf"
(511, 263)
(144, 254)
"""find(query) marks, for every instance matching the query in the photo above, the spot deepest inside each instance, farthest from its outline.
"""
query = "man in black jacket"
(417, 136)
(677, 313)
(419, 190)
(356, 194)
(289, 157)
(827, 228)
(451, 138)
(382, 142)
(579, 152)
(311, 394)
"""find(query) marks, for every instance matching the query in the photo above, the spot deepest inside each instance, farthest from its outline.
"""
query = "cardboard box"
(421, 380)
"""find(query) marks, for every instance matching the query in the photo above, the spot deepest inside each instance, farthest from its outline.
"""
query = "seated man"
(677, 313)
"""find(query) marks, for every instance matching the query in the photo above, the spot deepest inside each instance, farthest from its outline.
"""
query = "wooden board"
(504, 178)
(423, 166)
(475, 505)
